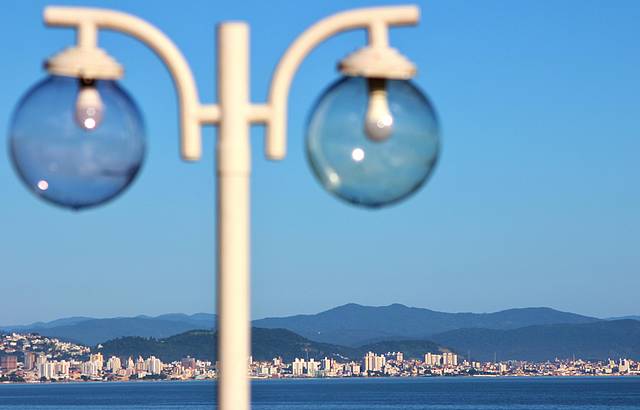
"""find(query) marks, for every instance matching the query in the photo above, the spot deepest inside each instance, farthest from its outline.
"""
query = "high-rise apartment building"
(42, 358)
(114, 364)
(373, 362)
(29, 360)
(432, 359)
(46, 370)
(89, 369)
(297, 367)
(9, 363)
(153, 365)
(130, 364)
(53, 370)
(312, 368)
(327, 364)
(98, 360)
(449, 359)
(188, 362)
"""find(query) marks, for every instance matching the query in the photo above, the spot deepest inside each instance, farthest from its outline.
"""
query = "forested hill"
(266, 344)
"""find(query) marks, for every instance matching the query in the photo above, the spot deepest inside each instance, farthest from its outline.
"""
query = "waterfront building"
(624, 366)
(114, 364)
(9, 363)
(188, 362)
(140, 366)
(432, 359)
(297, 367)
(62, 369)
(53, 370)
(42, 358)
(153, 365)
(89, 369)
(98, 360)
(354, 368)
(328, 365)
(46, 370)
(29, 360)
(312, 368)
(373, 362)
(449, 359)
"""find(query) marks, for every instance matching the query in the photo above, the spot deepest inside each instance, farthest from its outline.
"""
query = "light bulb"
(89, 106)
(362, 169)
(54, 155)
(378, 124)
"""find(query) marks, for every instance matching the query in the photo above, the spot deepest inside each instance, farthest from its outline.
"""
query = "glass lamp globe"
(372, 142)
(77, 143)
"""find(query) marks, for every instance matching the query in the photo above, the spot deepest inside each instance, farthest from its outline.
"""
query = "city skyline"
(533, 202)
(34, 358)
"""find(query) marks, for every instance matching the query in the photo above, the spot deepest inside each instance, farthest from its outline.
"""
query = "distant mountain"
(354, 324)
(265, 345)
(67, 321)
(597, 340)
(624, 318)
(199, 320)
(91, 331)
(349, 325)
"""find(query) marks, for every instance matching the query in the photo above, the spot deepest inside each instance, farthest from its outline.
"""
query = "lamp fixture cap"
(378, 62)
(85, 62)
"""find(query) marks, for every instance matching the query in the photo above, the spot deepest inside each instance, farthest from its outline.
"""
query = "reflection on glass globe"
(372, 142)
(77, 143)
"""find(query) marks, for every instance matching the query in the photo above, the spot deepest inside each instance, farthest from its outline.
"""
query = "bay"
(565, 393)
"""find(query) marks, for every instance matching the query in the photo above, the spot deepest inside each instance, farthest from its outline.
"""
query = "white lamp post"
(77, 139)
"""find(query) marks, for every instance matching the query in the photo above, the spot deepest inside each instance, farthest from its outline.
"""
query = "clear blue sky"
(535, 202)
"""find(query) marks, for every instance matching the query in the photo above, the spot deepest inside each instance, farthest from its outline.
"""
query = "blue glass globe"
(77, 143)
(372, 142)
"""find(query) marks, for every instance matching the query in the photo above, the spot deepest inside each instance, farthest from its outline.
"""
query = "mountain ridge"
(89, 331)
(348, 325)
(596, 340)
(353, 324)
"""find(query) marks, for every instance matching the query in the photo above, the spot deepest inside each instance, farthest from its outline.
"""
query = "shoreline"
(481, 377)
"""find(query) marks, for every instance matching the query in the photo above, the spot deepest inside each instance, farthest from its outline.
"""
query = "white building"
(373, 362)
(54, 370)
(449, 359)
(432, 359)
(98, 360)
(297, 367)
(114, 364)
(153, 365)
(89, 368)
(312, 368)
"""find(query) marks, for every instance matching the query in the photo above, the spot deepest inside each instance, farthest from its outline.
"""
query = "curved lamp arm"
(192, 113)
(377, 20)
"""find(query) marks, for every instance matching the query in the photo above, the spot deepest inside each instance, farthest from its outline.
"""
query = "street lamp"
(77, 139)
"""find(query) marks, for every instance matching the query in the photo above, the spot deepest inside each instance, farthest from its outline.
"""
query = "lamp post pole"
(233, 114)
(233, 172)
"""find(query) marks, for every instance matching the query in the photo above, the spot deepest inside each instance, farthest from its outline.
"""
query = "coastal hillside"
(591, 341)
(266, 344)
